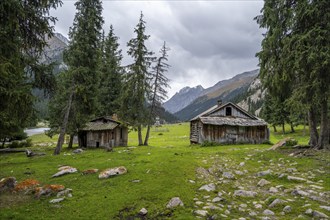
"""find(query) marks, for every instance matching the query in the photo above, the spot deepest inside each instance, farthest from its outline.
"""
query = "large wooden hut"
(103, 132)
(228, 124)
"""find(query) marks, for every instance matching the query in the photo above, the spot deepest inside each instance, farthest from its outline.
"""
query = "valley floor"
(218, 182)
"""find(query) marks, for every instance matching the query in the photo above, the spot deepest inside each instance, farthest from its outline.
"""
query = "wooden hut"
(228, 124)
(103, 132)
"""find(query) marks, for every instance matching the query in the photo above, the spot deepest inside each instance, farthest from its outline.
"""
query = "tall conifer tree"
(137, 81)
(83, 58)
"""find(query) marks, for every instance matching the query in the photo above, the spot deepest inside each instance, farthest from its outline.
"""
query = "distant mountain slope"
(233, 89)
(183, 98)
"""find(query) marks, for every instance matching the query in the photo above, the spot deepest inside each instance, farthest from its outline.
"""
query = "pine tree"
(24, 27)
(159, 93)
(83, 58)
(111, 76)
(295, 58)
(137, 81)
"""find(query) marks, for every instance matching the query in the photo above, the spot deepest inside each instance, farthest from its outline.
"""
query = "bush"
(21, 144)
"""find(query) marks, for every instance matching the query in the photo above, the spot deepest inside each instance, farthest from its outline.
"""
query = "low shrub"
(291, 142)
(21, 144)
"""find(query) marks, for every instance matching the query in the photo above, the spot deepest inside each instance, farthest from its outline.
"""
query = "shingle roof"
(232, 121)
(102, 123)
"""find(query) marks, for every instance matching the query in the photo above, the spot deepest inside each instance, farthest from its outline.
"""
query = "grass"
(164, 169)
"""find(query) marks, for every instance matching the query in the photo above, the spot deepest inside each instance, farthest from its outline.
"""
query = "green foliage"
(209, 144)
(291, 142)
(20, 144)
(111, 75)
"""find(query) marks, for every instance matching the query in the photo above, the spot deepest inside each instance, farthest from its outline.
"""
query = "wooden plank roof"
(102, 123)
(232, 121)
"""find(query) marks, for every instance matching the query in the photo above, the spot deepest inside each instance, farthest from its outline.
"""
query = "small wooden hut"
(103, 132)
(228, 124)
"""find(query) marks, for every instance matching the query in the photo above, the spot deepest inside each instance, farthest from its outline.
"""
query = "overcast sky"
(209, 40)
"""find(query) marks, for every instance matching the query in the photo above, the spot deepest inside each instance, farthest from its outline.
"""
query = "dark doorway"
(97, 144)
(228, 111)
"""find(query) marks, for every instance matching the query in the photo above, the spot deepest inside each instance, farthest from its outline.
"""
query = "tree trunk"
(147, 136)
(313, 135)
(140, 135)
(283, 128)
(292, 128)
(323, 141)
(275, 130)
(71, 141)
(64, 125)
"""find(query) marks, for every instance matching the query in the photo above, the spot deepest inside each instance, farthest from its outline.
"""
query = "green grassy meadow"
(164, 170)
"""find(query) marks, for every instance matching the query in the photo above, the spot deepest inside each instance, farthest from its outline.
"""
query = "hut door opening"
(97, 144)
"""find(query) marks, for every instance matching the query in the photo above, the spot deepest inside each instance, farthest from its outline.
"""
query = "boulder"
(275, 203)
(268, 212)
(28, 184)
(287, 209)
(201, 212)
(263, 182)
(143, 212)
(325, 207)
(318, 215)
(90, 171)
(264, 173)
(244, 193)
(7, 183)
(208, 187)
(174, 202)
(78, 151)
(112, 172)
(65, 170)
(65, 192)
(273, 190)
(48, 190)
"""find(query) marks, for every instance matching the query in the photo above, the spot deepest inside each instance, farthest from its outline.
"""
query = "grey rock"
(227, 212)
(201, 212)
(112, 172)
(317, 214)
(276, 202)
(242, 164)
(258, 206)
(78, 151)
(208, 187)
(309, 212)
(217, 199)
(65, 192)
(199, 203)
(143, 211)
(273, 190)
(228, 175)
(56, 200)
(268, 212)
(244, 193)
(291, 170)
(263, 182)
(238, 172)
(296, 178)
(298, 192)
(287, 209)
(325, 207)
(252, 213)
(174, 202)
(264, 173)
(65, 170)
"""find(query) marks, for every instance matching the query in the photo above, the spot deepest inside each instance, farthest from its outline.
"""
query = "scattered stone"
(287, 209)
(298, 192)
(291, 170)
(78, 151)
(112, 172)
(309, 212)
(201, 212)
(238, 172)
(273, 190)
(296, 178)
(252, 213)
(227, 212)
(223, 216)
(174, 202)
(281, 175)
(263, 182)
(258, 206)
(65, 170)
(316, 187)
(268, 212)
(90, 171)
(264, 173)
(192, 181)
(317, 214)
(143, 211)
(7, 183)
(217, 199)
(325, 207)
(65, 192)
(244, 193)
(228, 175)
(242, 218)
(56, 200)
(199, 203)
(202, 173)
(136, 181)
(276, 202)
(242, 164)
(208, 187)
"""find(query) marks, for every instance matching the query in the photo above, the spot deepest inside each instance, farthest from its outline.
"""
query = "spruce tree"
(159, 86)
(82, 58)
(24, 27)
(137, 81)
(111, 75)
